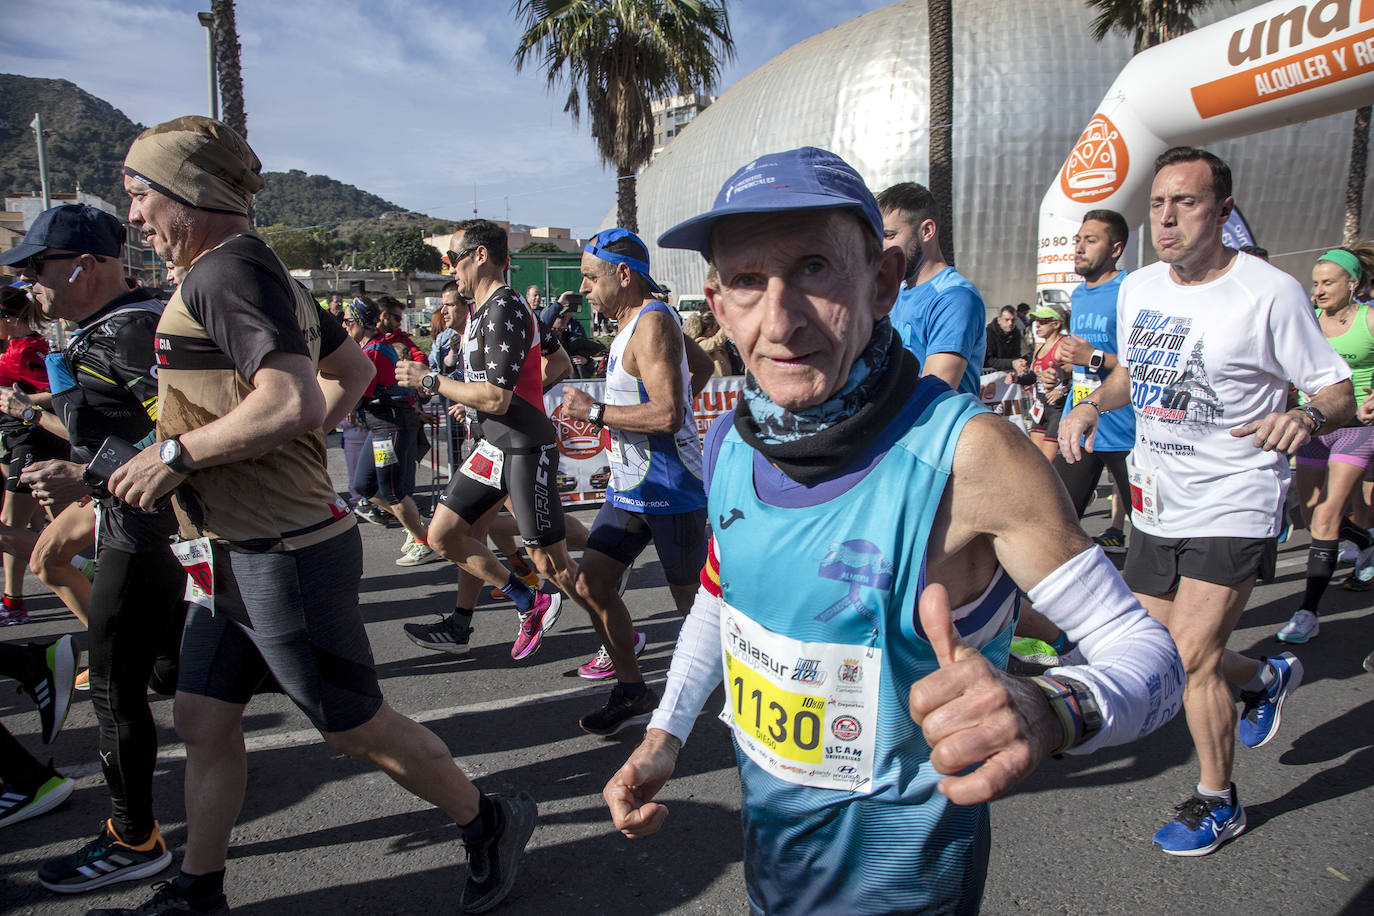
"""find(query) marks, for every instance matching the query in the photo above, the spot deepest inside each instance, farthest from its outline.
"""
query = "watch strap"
(1075, 708)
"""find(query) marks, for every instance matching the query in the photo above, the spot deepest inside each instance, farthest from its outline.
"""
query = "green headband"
(1342, 258)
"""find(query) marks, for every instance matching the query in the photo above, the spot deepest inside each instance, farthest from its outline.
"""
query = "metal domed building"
(1028, 78)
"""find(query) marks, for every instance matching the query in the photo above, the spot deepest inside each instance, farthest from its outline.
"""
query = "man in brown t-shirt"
(250, 373)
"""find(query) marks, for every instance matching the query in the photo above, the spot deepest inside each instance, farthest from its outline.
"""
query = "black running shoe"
(492, 864)
(439, 636)
(167, 901)
(620, 713)
(51, 684)
(103, 861)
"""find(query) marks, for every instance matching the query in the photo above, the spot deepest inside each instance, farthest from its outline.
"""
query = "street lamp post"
(208, 20)
(37, 125)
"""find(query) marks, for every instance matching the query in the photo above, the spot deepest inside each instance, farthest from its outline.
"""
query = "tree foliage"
(403, 251)
(618, 55)
(1148, 22)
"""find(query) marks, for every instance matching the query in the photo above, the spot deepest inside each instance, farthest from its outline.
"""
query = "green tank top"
(1356, 347)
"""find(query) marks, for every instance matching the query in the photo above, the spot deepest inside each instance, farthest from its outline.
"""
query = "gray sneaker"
(418, 555)
(492, 864)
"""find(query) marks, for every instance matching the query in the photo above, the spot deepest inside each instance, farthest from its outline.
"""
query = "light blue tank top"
(822, 643)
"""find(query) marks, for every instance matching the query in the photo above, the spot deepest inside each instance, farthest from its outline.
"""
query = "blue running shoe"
(1202, 825)
(1259, 721)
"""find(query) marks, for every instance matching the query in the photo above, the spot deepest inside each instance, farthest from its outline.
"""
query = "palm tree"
(227, 67)
(940, 26)
(1354, 183)
(616, 56)
(1150, 22)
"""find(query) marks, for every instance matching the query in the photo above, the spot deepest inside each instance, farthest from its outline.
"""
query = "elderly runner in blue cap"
(861, 589)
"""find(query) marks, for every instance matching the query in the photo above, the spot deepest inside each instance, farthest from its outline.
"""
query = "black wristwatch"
(1316, 416)
(174, 456)
(596, 413)
(31, 415)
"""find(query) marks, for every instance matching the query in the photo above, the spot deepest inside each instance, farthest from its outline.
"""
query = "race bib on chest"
(1084, 383)
(383, 453)
(1144, 493)
(484, 464)
(806, 712)
(195, 558)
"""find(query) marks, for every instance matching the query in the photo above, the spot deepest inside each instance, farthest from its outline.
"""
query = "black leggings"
(137, 612)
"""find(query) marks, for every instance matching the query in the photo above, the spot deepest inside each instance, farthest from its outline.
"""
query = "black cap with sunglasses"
(78, 228)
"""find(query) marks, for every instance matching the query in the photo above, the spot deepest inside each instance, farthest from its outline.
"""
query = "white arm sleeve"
(696, 669)
(1134, 670)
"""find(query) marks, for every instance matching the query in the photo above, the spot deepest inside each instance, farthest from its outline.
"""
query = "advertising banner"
(584, 466)
(1278, 63)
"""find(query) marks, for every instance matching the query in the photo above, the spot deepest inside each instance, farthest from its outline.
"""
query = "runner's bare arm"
(343, 376)
(653, 356)
(285, 402)
(974, 713)
(556, 367)
(948, 367)
(483, 396)
(699, 363)
(1113, 394)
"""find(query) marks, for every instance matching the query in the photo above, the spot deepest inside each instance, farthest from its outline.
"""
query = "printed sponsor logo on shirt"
(846, 728)
(808, 671)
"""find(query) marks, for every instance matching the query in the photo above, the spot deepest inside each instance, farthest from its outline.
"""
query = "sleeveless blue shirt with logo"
(822, 642)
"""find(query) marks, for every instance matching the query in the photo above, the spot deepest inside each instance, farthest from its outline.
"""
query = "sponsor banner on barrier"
(584, 465)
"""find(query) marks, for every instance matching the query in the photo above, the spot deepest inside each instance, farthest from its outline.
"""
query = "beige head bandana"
(201, 162)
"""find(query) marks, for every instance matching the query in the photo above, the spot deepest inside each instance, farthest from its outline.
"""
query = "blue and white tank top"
(652, 473)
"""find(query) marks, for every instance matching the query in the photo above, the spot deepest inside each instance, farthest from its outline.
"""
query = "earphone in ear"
(76, 273)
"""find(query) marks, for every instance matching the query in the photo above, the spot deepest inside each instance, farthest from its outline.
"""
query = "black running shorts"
(1154, 565)
(528, 476)
(1082, 477)
(680, 539)
(293, 615)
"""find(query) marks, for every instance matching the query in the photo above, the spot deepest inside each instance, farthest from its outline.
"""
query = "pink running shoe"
(601, 666)
(531, 633)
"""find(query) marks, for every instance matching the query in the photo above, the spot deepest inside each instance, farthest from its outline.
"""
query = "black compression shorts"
(293, 615)
(529, 477)
(680, 539)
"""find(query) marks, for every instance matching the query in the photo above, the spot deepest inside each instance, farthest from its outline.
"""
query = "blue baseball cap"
(798, 179)
(638, 261)
(70, 227)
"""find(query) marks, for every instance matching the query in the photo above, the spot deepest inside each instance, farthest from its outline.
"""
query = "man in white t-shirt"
(1206, 340)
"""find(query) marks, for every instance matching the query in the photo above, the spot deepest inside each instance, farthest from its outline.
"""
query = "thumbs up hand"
(973, 714)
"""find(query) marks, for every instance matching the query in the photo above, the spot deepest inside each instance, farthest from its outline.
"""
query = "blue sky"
(413, 100)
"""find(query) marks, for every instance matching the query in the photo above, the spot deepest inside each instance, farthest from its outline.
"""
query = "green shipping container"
(553, 274)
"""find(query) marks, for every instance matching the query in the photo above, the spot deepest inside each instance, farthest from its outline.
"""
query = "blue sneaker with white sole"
(1260, 719)
(1203, 824)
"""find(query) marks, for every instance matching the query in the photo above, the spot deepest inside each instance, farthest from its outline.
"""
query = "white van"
(686, 305)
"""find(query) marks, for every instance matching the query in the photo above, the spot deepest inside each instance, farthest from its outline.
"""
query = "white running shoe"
(1300, 629)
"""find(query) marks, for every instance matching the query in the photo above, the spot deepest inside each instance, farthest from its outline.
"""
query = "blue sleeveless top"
(822, 642)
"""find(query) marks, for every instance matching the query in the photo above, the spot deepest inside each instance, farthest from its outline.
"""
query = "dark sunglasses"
(455, 256)
(35, 263)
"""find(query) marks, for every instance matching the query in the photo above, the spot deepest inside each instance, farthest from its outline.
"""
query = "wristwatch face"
(28, 415)
(429, 382)
(170, 451)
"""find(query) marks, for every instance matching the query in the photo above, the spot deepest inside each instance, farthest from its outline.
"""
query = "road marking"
(304, 736)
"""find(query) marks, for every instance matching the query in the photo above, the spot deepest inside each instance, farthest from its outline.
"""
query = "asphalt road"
(322, 834)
